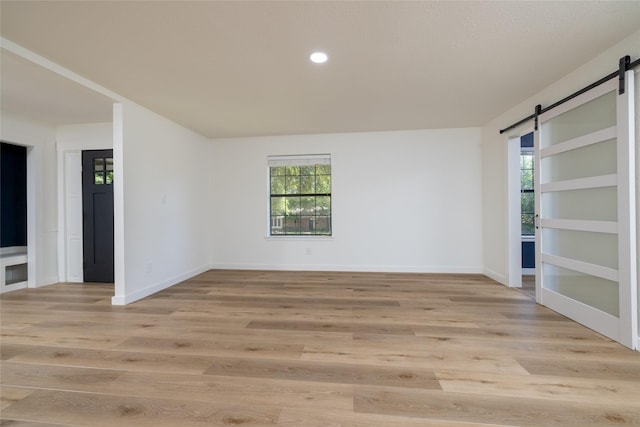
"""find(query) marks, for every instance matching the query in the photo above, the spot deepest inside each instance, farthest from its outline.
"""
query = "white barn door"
(585, 205)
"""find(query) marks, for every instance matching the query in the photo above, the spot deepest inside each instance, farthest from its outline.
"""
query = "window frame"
(527, 151)
(281, 220)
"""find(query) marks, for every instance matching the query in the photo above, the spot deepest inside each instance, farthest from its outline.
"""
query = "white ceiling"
(33, 91)
(240, 68)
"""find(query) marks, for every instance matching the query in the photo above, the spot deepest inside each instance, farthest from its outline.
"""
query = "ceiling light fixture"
(318, 57)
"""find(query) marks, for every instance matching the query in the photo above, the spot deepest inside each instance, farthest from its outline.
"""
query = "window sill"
(299, 238)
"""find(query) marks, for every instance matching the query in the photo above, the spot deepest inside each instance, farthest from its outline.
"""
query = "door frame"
(514, 221)
(69, 149)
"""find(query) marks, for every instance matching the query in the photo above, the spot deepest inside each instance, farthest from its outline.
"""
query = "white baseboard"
(529, 271)
(495, 276)
(351, 268)
(24, 285)
(52, 280)
(13, 287)
(157, 287)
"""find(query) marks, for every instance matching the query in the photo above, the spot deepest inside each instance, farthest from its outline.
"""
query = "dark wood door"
(97, 213)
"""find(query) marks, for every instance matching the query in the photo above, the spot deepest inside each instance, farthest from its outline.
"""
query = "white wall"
(71, 141)
(494, 149)
(42, 210)
(402, 201)
(161, 201)
(86, 136)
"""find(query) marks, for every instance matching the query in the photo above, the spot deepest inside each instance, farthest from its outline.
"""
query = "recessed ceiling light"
(318, 57)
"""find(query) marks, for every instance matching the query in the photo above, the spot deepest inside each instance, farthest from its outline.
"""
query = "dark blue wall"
(13, 195)
(528, 254)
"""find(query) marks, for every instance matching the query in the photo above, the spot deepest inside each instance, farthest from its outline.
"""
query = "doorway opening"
(527, 214)
(521, 215)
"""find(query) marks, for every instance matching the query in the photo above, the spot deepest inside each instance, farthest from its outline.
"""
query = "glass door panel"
(587, 118)
(594, 248)
(592, 160)
(587, 204)
(596, 292)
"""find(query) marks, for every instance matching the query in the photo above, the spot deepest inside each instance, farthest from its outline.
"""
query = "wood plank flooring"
(256, 348)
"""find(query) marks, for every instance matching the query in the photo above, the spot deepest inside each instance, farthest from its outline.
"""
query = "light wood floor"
(308, 349)
(529, 285)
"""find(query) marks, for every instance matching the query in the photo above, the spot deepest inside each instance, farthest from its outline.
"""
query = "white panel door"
(585, 236)
(73, 209)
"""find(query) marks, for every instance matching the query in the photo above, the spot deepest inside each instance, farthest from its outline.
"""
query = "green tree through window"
(300, 198)
(527, 201)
